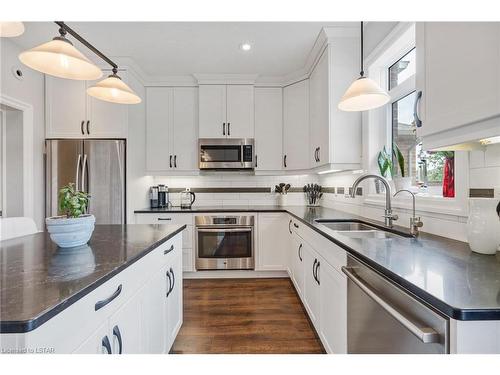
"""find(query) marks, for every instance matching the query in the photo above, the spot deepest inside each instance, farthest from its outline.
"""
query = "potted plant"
(75, 227)
(402, 181)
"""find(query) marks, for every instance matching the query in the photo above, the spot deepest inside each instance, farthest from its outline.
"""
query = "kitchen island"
(122, 292)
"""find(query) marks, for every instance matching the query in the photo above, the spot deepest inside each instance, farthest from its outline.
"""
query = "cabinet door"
(107, 120)
(174, 300)
(125, 327)
(311, 292)
(268, 128)
(297, 253)
(333, 311)
(65, 107)
(296, 125)
(95, 343)
(159, 120)
(154, 312)
(458, 73)
(212, 113)
(319, 113)
(272, 237)
(185, 128)
(240, 111)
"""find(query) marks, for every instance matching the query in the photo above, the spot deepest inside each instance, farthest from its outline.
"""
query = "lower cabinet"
(311, 294)
(174, 300)
(271, 234)
(297, 263)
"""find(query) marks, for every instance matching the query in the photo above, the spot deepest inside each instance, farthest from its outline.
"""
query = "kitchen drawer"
(164, 218)
(165, 252)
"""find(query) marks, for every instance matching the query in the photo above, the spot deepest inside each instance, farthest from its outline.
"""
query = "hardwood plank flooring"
(244, 316)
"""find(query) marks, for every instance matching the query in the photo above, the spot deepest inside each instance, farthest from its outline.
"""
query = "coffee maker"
(158, 196)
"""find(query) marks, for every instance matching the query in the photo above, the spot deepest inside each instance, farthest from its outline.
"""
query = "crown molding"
(222, 79)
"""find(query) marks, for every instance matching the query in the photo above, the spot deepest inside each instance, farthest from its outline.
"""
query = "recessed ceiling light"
(245, 46)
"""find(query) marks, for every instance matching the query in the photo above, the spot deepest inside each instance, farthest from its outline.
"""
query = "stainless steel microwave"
(226, 153)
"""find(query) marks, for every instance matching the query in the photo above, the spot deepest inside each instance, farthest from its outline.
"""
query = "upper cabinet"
(71, 113)
(296, 126)
(171, 128)
(268, 128)
(226, 111)
(458, 76)
(335, 135)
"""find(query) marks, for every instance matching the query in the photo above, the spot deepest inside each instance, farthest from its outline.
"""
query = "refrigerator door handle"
(77, 174)
(84, 169)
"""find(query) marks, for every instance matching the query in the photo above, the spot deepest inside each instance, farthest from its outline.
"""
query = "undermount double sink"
(359, 230)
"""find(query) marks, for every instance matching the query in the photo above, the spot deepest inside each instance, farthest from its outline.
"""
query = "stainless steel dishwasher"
(382, 318)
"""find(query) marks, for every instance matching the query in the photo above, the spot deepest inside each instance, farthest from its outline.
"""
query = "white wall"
(31, 91)
(485, 168)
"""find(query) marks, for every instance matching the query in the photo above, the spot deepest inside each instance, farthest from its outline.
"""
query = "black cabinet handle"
(284, 161)
(104, 302)
(228, 128)
(88, 126)
(300, 255)
(223, 128)
(256, 164)
(169, 286)
(105, 344)
(319, 150)
(170, 161)
(296, 225)
(317, 272)
(116, 332)
(175, 161)
(173, 279)
(418, 122)
(81, 126)
(166, 251)
(290, 223)
(314, 269)
(316, 154)
(164, 218)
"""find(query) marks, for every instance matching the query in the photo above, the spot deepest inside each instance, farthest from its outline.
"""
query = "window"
(431, 172)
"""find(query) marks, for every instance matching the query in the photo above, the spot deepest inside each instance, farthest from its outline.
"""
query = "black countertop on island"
(38, 280)
(442, 272)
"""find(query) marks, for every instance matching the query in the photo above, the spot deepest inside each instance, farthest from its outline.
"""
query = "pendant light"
(113, 89)
(61, 59)
(11, 29)
(364, 93)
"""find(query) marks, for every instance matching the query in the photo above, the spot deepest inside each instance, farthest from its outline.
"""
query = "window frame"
(376, 135)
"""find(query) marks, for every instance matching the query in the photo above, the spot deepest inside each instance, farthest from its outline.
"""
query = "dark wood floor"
(244, 316)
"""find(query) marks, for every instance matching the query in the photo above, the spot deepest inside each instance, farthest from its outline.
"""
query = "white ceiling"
(179, 48)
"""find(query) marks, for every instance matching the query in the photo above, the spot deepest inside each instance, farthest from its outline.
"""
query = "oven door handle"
(214, 230)
(425, 334)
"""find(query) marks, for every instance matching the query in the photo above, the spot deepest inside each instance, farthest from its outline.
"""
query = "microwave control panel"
(247, 153)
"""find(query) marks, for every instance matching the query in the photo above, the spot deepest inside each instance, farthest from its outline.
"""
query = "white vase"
(402, 183)
(282, 199)
(483, 226)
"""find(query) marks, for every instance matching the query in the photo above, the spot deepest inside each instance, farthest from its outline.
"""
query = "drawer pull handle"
(104, 302)
(295, 225)
(166, 251)
(116, 332)
(164, 218)
(106, 345)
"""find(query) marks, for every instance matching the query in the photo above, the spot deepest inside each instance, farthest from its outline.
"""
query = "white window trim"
(400, 41)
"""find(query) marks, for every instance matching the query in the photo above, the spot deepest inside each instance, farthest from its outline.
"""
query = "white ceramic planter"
(402, 183)
(483, 226)
(282, 199)
(70, 232)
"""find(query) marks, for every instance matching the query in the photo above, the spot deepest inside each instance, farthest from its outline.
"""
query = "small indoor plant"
(75, 226)
(385, 166)
(401, 181)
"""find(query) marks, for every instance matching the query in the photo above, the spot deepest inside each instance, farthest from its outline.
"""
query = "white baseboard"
(234, 274)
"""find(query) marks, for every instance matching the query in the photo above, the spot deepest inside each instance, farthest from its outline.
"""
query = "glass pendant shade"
(114, 90)
(11, 29)
(362, 95)
(61, 59)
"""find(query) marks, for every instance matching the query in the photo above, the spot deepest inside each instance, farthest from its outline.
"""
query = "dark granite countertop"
(37, 281)
(443, 272)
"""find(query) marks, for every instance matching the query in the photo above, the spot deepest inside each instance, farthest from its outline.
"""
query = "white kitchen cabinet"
(271, 238)
(171, 128)
(311, 293)
(268, 128)
(296, 126)
(71, 113)
(226, 111)
(297, 263)
(335, 135)
(458, 75)
(94, 344)
(333, 309)
(174, 299)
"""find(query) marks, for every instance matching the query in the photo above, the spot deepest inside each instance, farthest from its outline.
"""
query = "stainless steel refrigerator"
(96, 166)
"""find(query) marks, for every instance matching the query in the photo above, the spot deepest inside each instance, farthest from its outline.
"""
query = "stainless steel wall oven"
(224, 242)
